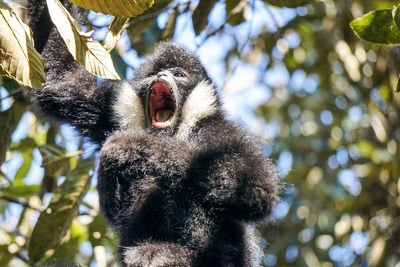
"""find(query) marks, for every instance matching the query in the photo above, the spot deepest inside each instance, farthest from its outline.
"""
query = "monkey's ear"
(128, 108)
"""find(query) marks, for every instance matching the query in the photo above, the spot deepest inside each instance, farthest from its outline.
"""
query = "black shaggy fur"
(174, 201)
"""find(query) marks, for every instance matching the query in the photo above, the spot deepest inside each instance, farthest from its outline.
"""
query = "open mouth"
(161, 104)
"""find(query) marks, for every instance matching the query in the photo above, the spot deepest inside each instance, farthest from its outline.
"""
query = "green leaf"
(97, 231)
(25, 147)
(120, 65)
(56, 159)
(169, 30)
(24, 169)
(289, 3)
(396, 16)
(55, 220)
(398, 85)
(21, 190)
(137, 28)
(235, 11)
(119, 8)
(9, 120)
(18, 58)
(88, 52)
(200, 15)
(377, 27)
(156, 8)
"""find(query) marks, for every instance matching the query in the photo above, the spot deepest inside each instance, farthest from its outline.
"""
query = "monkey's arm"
(235, 178)
(135, 166)
(70, 94)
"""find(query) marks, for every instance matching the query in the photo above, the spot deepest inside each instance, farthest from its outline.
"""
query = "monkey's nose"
(161, 74)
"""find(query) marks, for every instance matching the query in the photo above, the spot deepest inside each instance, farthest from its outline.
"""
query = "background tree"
(293, 71)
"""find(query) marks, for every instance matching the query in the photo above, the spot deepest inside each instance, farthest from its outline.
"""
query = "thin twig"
(14, 93)
(19, 256)
(154, 14)
(273, 18)
(213, 32)
(22, 203)
(5, 177)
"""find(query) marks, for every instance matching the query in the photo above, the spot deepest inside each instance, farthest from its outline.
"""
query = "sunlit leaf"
(377, 27)
(119, 8)
(88, 52)
(117, 26)
(200, 15)
(18, 58)
(289, 3)
(57, 217)
(377, 251)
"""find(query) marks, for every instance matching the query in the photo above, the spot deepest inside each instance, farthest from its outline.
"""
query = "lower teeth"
(164, 115)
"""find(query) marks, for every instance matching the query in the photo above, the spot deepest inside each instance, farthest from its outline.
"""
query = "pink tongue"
(163, 114)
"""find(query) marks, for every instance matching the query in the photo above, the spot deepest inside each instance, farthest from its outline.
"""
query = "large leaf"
(55, 220)
(119, 8)
(117, 26)
(200, 15)
(88, 52)
(377, 27)
(289, 3)
(18, 58)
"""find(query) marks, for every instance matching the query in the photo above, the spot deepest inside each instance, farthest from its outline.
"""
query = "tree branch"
(13, 93)
(23, 203)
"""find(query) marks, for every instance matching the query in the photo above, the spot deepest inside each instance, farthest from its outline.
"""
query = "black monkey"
(177, 180)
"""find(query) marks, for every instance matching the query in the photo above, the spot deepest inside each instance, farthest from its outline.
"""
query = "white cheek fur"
(202, 102)
(128, 109)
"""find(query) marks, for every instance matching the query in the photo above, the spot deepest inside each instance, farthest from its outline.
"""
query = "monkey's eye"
(179, 74)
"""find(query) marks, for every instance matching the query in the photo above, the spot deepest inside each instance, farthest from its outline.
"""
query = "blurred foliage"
(331, 100)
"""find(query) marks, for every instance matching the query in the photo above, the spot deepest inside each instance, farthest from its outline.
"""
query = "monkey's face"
(163, 97)
(169, 94)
